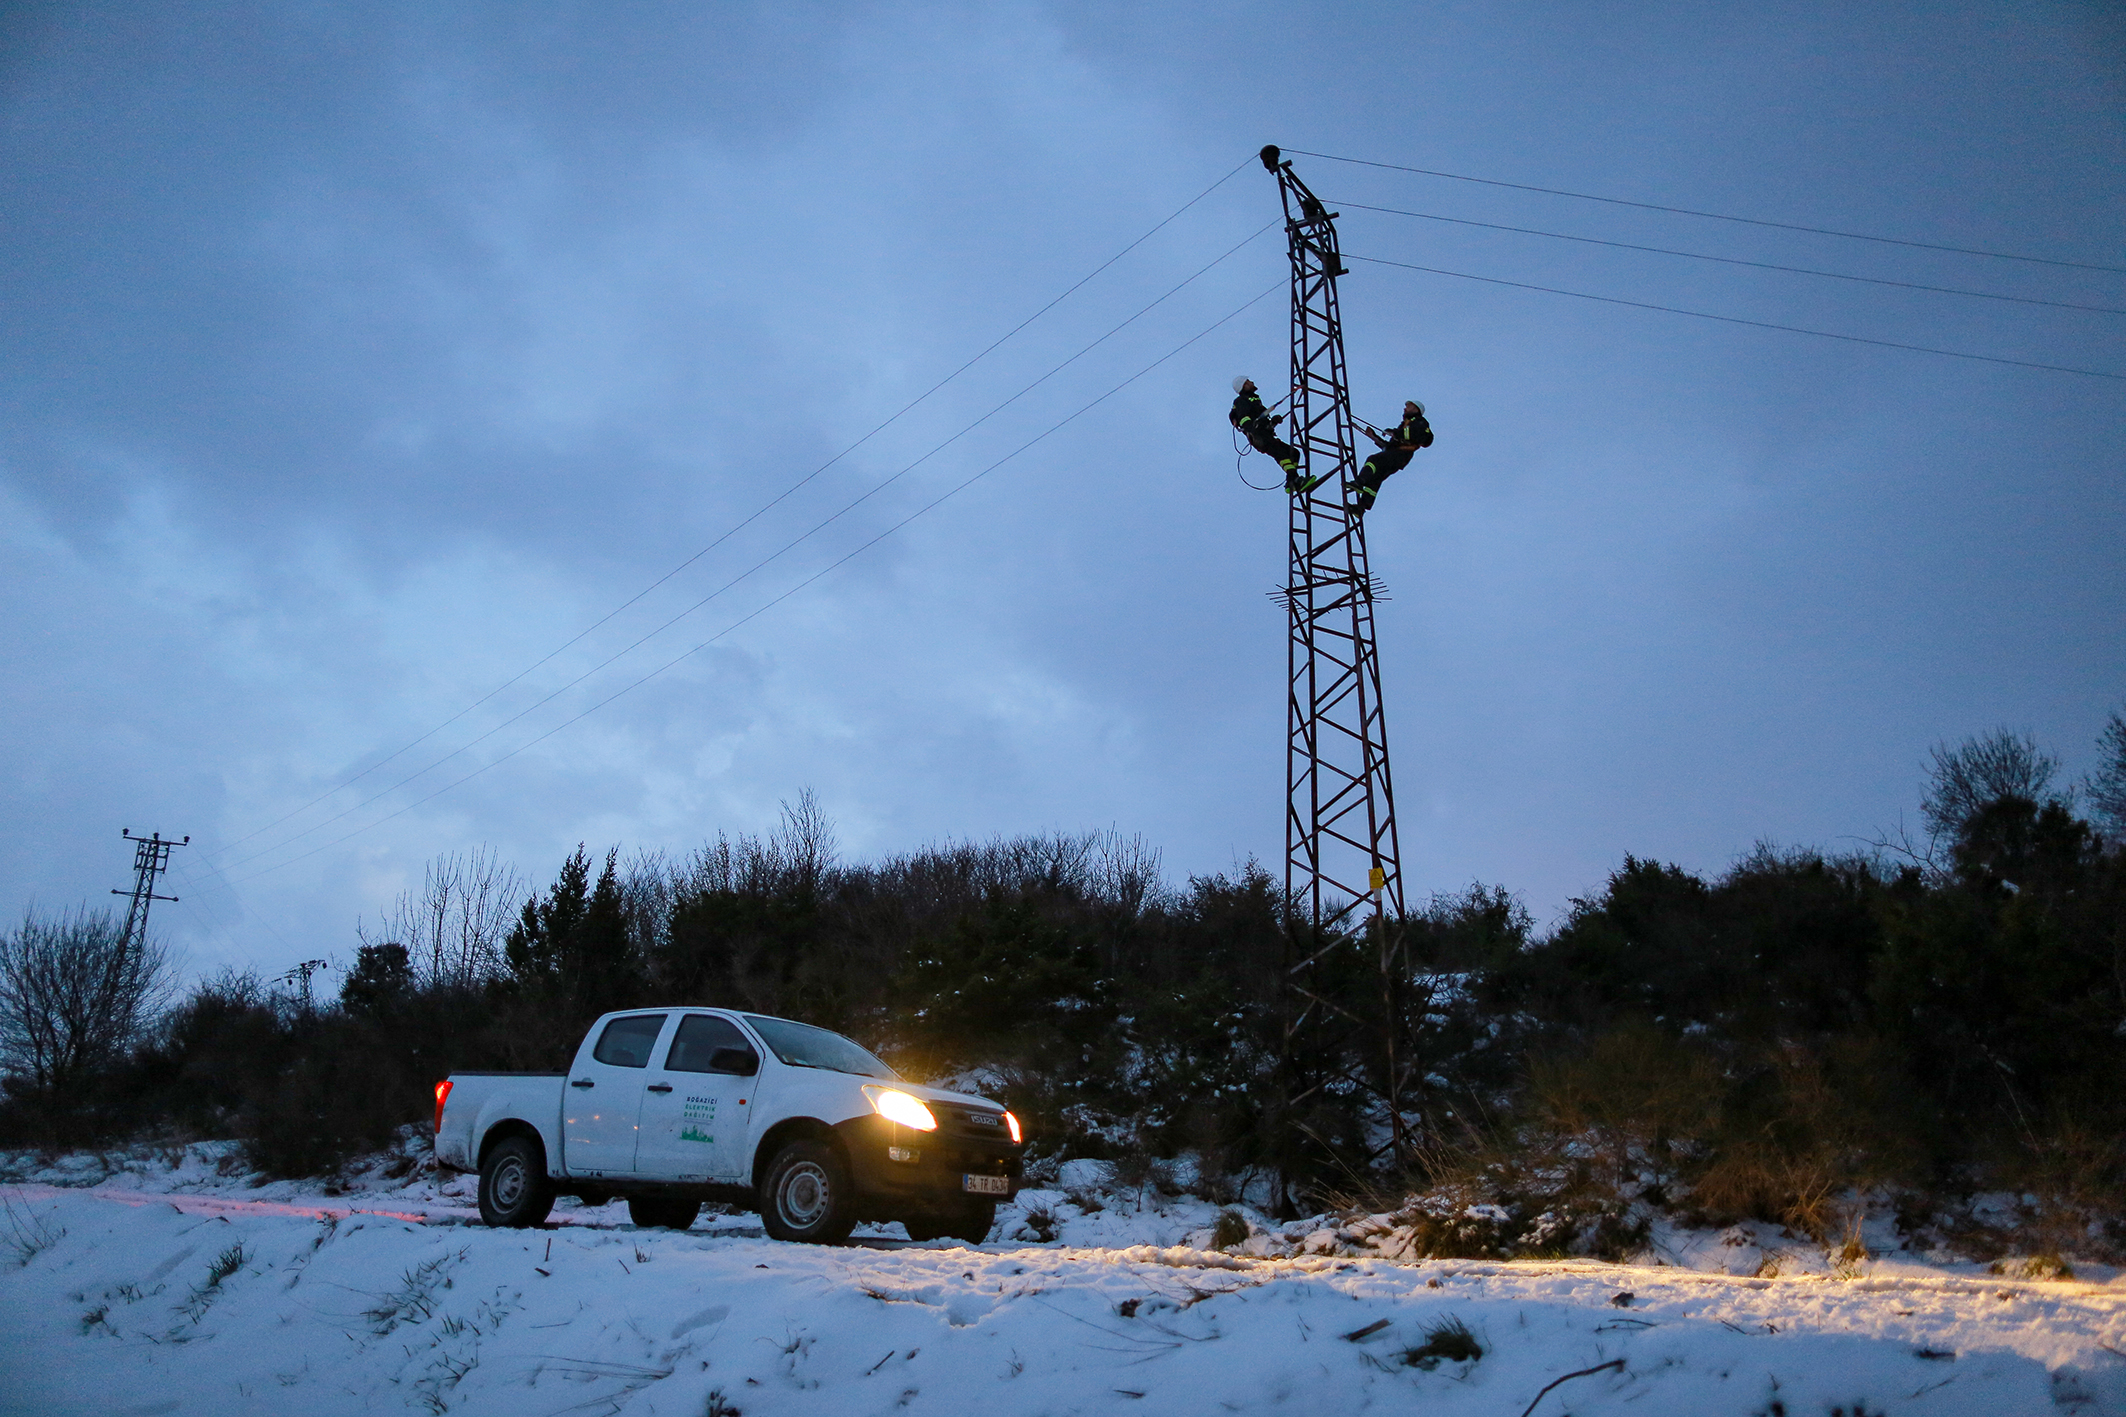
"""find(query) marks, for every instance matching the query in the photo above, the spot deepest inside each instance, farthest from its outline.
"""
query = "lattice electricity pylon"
(151, 857)
(1340, 838)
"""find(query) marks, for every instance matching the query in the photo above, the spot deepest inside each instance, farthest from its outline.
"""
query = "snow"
(173, 1283)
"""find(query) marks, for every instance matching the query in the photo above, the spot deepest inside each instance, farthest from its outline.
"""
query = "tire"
(808, 1197)
(514, 1190)
(971, 1223)
(662, 1212)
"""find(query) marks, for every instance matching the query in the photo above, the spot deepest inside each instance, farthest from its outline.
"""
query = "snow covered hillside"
(181, 1290)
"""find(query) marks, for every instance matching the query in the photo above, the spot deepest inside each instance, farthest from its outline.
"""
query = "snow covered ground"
(173, 1283)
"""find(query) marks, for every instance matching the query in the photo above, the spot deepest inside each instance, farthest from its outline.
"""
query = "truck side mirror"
(739, 1062)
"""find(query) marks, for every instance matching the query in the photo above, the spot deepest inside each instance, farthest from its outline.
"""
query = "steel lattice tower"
(151, 857)
(1340, 838)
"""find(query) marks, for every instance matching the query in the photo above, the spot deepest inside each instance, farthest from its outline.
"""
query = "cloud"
(361, 356)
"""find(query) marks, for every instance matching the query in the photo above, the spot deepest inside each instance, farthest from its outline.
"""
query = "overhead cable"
(765, 561)
(1735, 261)
(1719, 216)
(1737, 320)
(195, 885)
(741, 526)
(830, 567)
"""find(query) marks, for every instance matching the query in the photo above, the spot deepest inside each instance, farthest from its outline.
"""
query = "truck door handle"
(583, 1082)
(660, 1087)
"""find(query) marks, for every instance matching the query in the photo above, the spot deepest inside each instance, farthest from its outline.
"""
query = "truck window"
(699, 1036)
(803, 1046)
(626, 1042)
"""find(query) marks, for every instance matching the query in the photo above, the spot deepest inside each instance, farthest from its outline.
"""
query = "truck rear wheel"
(662, 1212)
(514, 1191)
(807, 1196)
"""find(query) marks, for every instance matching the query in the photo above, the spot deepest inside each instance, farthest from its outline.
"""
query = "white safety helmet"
(1419, 402)
(1240, 383)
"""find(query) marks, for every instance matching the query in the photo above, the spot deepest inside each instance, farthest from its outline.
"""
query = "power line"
(766, 507)
(193, 882)
(832, 566)
(1721, 216)
(1735, 261)
(757, 566)
(207, 927)
(1737, 320)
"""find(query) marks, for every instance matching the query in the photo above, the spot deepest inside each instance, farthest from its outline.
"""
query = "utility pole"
(1341, 848)
(300, 978)
(1340, 838)
(151, 857)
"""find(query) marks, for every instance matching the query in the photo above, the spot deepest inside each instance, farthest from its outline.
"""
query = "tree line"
(1935, 1015)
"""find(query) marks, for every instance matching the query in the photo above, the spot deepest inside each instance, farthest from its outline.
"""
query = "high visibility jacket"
(1414, 431)
(1247, 408)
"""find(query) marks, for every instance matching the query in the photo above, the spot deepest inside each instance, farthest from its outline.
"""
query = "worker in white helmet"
(1259, 426)
(1395, 453)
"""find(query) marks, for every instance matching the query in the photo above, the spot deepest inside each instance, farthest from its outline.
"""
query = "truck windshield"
(803, 1046)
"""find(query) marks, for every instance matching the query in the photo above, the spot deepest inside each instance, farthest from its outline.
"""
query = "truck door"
(605, 1096)
(694, 1110)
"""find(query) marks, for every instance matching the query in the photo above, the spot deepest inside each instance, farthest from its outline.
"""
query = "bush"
(1756, 1043)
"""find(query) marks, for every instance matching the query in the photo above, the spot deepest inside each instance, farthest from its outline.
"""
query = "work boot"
(1292, 484)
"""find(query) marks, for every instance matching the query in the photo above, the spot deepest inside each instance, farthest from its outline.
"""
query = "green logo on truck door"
(701, 1110)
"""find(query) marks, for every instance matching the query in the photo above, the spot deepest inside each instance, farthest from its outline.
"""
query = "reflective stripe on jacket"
(1246, 409)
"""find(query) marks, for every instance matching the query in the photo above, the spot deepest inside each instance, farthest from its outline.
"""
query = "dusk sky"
(354, 358)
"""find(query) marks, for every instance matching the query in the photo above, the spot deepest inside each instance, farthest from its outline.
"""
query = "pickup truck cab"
(670, 1107)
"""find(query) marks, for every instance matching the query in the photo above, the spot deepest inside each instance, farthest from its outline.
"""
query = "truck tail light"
(443, 1095)
(1011, 1124)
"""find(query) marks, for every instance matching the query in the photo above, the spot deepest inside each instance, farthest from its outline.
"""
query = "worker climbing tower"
(1340, 840)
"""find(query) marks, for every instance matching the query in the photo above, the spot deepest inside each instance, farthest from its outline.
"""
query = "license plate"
(986, 1185)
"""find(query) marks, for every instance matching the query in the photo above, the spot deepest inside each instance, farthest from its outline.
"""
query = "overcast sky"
(355, 357)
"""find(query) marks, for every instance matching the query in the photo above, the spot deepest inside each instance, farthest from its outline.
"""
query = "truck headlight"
(897, 1106)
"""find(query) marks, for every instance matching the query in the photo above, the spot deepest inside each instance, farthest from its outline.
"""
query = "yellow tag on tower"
(1376, 878)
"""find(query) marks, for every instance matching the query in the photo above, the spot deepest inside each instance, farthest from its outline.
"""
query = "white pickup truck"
(670, 1107)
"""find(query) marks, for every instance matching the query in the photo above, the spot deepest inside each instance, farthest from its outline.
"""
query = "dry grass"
(1447, 1341)
(1638, 1096)
(28, 1233)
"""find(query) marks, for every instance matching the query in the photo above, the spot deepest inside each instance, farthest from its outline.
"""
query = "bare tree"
(74, 992)
(2107, 785)
(800, 853)
(1978, 772)
(806, 841)
(648, 886)
(1126, 872)
(454, 926)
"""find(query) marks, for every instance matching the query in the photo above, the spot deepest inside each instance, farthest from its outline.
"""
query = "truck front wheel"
(514, 1191)
(971, 1224)
(807, 1196)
